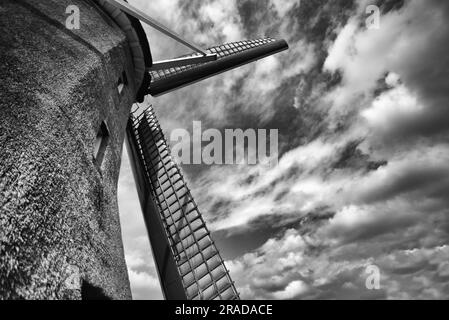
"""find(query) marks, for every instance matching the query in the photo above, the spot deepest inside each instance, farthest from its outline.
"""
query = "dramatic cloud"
(363, 172)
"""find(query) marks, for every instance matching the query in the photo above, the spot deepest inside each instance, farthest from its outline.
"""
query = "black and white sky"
(363, 173)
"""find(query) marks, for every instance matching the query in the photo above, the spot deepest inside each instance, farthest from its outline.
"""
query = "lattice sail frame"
(222, 51)
(202, 271)
(229, 56)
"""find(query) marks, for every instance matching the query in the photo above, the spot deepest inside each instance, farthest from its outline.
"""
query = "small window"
(122, 82)
(101, 143)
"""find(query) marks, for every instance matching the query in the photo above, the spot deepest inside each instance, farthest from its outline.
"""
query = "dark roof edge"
(144, 43)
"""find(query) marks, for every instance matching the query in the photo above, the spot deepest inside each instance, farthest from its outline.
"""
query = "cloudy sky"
(363, 173)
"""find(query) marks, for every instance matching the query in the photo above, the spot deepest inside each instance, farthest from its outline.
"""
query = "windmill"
(85, 254)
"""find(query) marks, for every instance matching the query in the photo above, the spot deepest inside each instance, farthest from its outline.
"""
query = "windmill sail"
(182, 245)
(188, 262)
(229, 56)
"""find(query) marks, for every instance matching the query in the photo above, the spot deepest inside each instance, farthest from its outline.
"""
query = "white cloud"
(392, 79)
(144, 286)
(401, 46)
(225, 18)
(393, 110)
(284, 6)
(293, 289)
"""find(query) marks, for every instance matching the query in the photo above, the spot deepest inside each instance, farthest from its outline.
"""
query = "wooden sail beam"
(144, 17)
